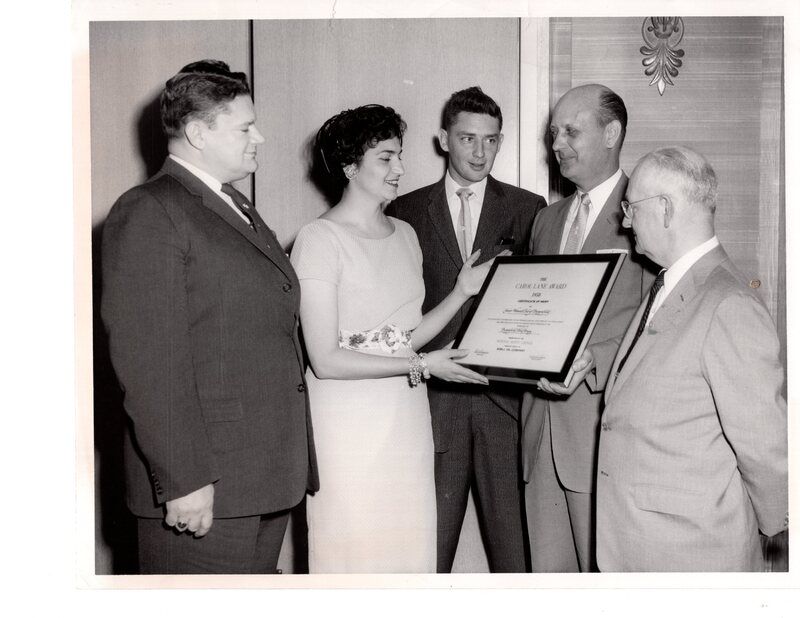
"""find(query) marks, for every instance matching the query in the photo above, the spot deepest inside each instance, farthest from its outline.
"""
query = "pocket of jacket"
(670, 500)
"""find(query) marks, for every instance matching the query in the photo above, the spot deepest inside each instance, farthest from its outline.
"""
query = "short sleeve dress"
(375, 511)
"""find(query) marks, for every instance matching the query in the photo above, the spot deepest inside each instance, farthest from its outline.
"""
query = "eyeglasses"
(627, 206)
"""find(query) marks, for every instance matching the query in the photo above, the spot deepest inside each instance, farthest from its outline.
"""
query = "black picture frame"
(537, 268)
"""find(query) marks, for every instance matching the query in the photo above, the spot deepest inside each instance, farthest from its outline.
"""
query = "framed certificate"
(534, 315)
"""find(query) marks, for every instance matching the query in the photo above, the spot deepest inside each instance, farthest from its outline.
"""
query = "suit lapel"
(442, 222)
(608, 222)
(548, 242)
(493, 219)
(269, 247)
(690, 285)
(613, 378)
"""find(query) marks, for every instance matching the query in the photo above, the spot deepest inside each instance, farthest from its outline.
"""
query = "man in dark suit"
(475, 429)
(201, 306)
(559, 425)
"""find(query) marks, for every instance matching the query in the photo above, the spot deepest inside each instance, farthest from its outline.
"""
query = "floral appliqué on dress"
(389, 338)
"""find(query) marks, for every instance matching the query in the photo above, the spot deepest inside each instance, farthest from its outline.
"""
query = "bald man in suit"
(693, 449)
(560, 425)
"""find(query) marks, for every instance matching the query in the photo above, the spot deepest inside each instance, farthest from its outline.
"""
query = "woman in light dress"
(362, 292)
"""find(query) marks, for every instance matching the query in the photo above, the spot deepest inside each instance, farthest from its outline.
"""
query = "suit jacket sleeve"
(144, 307)
(741, 364)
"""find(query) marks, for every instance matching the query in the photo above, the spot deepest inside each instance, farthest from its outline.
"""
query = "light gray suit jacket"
(693, 447)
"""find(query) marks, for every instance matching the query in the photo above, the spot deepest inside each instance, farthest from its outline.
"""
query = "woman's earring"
(350, 171)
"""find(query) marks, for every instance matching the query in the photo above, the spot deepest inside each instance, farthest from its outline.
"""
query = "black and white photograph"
(284, 218)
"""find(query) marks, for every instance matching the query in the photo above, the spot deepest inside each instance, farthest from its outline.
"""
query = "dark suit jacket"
(202, 321)
(574, 420)
(507, 213)
(693, 447)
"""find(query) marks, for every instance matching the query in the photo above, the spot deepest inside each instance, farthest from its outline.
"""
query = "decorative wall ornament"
(662, 59)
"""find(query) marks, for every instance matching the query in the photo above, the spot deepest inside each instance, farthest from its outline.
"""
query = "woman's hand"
(441, 365)
(471, 279)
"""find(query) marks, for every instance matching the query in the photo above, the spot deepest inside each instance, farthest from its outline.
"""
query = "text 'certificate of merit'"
(535, 314)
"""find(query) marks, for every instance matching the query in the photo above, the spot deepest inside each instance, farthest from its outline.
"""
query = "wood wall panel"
(721, 104)
(772, 248)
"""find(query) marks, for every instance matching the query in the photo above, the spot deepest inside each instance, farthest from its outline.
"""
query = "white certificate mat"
(535, 314)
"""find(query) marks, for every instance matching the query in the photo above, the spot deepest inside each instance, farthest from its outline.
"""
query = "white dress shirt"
(598, 197)
(212, 183)
(676, 272)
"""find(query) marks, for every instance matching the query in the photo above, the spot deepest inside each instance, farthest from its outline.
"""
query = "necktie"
(576, 232)
(242, 203)
(657, 285)
(464, 223)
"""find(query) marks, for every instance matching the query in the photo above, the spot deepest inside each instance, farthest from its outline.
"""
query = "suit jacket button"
(301, 388)
(287, 287)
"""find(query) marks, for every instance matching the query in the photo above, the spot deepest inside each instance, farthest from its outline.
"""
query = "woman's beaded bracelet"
(417, 369)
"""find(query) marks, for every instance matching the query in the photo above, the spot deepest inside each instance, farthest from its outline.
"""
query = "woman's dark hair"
(199, 91)
(345, 138)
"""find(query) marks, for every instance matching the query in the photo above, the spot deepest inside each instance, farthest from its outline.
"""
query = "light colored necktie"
(464, 223)
(576, 232)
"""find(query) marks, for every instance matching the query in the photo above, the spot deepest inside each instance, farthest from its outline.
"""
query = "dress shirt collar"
(685, 262)
(211, 182)
(599, 195)
(451, 186)
(597, 199)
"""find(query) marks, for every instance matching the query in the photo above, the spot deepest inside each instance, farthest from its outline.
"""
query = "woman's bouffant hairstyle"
(345, 138)
(199, 91)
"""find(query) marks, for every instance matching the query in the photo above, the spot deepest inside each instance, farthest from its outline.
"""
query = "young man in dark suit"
(475, 429)
(201, 306)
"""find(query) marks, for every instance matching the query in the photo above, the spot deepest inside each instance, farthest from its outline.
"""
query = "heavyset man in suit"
(559, 424)
(693, 449)
(475, 430)
(201, 305)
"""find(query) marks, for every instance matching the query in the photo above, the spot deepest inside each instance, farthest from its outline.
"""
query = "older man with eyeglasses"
(692, 459)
